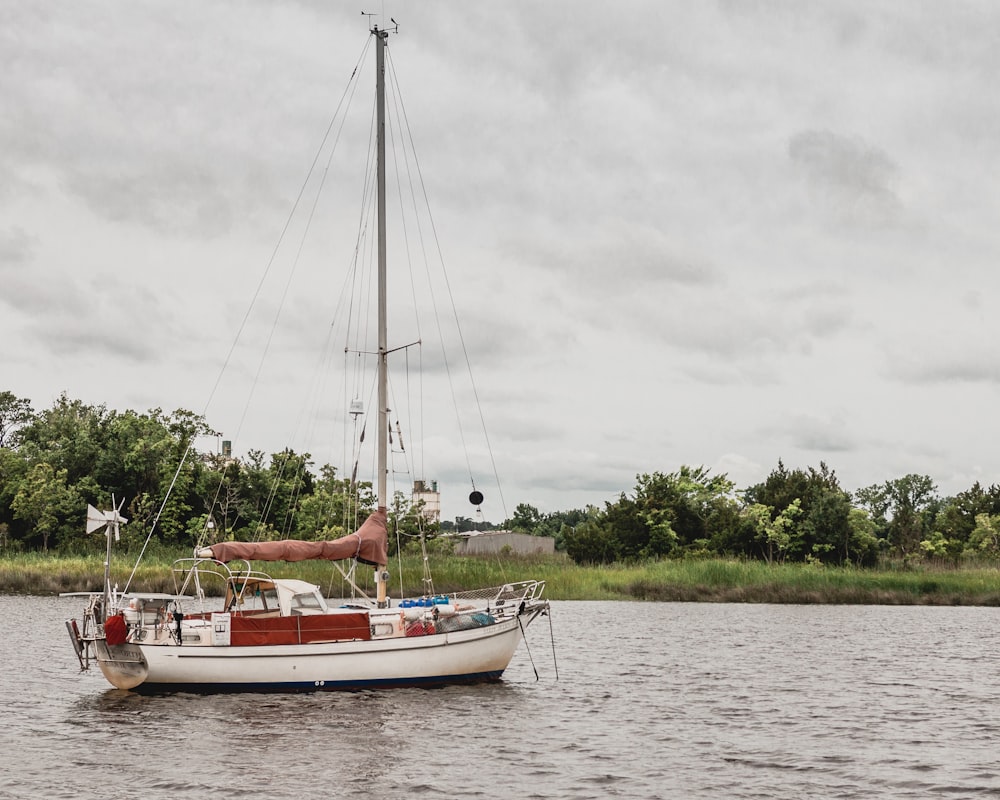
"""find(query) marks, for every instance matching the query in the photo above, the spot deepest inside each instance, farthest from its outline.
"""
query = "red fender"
(115, 630)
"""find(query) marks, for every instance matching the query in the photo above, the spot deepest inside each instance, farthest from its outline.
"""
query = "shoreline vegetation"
(691, 580)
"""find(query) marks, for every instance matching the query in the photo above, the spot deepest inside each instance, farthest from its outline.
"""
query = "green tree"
(45, 502)
(13, 469)
(775, 529)
(985, 537)
(912, 501)
(407, 523)
(864, 541)
(463, 525)
(332, 509)
(666, 515)
(958, 516)
(821, 529)
(526, 519)
(557, 523)
(936, 545)
(687, 502)
(15, 413)
(592, 542)
(69, 436)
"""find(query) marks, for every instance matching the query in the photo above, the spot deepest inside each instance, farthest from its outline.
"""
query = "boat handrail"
(188, 570)
(529, 592)
(224, 570)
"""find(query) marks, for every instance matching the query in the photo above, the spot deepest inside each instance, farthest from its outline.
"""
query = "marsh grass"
(713, 580)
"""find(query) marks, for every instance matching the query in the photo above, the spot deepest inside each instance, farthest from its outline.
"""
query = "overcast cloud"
(712, 233)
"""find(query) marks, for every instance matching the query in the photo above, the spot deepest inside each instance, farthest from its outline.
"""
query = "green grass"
(711, 580)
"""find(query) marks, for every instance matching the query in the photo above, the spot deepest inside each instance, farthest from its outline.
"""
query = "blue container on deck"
(440, 600)
(407, 603)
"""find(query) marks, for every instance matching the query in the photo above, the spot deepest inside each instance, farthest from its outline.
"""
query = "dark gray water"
(652, 701)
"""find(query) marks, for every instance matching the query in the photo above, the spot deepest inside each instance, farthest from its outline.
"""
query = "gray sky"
(707, 233)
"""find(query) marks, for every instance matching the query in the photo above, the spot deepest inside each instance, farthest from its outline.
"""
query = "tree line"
(794, 515)
(56, 461)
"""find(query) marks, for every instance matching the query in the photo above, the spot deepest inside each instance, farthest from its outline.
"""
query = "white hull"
(478, 654)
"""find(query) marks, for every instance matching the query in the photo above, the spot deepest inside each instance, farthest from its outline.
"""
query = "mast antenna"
(375, 28)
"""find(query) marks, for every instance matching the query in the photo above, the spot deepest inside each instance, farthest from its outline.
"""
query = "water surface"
(652, 701)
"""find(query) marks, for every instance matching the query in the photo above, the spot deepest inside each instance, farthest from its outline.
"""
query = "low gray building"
(477, 543)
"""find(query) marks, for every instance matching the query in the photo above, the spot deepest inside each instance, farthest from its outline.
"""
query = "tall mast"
(383, 390)
(383, 346)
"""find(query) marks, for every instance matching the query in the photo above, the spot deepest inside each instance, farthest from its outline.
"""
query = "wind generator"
(111, 521)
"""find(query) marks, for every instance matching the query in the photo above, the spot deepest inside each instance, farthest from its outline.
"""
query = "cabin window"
(253, 598)
(306, 600)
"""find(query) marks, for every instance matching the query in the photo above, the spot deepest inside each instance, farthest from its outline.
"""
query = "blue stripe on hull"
(319, 686)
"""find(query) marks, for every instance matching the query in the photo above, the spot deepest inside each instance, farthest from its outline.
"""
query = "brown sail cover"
(369, 545)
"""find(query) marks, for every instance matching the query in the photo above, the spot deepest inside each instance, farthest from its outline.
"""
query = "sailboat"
(258, 632)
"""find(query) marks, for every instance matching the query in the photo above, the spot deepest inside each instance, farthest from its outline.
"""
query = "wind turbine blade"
(95, 519)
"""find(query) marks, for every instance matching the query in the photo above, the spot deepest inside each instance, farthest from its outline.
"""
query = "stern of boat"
(122, 662)
(123, 665)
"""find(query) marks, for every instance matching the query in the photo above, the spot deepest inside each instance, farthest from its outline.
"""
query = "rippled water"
(652, 701)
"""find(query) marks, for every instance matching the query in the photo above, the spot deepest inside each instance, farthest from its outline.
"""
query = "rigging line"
(356, 459)
(404, 128)
(402, 211)
(260, 284)
(399, 563)
(420, 393)
(416, 438)
(404, 456)
(253, 302)
(265, 510)
(214, 505)
(468, 364)
(454, 308)
(319, 389)
(527, 649)
(294, 267)
(286, 458)
(409, 260)
(552, 638)
(156, 519)
(354, 288)
(345, 462)
(316, 393)
(286, 525)
(349, 96)
(298, 463)
(284, 230)
(437, 316)
(363, 241)
(293, 499)
(364, 289)
(345, 310)
(363, 252)
(345, 293)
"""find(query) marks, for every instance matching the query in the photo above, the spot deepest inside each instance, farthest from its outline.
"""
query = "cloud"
(622, 254)
(17, 247)
(730, 230)
(936, 362)
(826, 433)
(740, 469)
(849, 177)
